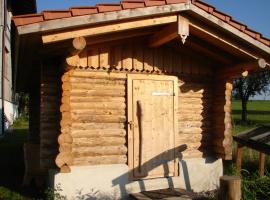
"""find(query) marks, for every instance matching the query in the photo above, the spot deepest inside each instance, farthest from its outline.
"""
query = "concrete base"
(111, 181)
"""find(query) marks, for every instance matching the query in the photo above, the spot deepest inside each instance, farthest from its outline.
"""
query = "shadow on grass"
(12, 166)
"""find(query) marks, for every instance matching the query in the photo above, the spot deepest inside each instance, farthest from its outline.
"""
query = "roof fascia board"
(229, 28)
(73, 22)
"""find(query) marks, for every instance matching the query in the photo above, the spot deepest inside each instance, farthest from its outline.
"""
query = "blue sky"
(254, 14)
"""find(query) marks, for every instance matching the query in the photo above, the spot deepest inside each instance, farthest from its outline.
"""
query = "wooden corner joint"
(73, 59)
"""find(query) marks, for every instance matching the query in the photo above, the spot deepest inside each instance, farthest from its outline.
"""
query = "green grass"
(258, 114)
(12, 164)
(253, 186)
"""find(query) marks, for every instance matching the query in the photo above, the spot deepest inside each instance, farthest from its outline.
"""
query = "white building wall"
(10, 108)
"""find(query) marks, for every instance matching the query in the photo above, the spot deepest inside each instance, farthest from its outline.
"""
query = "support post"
(239, 156)
(261, 164)
(230, 188)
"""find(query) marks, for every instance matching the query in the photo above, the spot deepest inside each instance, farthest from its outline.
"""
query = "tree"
(246, 87)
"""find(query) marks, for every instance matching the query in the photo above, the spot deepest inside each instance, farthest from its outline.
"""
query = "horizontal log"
(50, 126)
(191, 100)
(97, 105)
(99, 160)
(101, 141)
(101, 92)
(95, 118)
(65, 147)
(90, 126)
(65, 77)
(103, 81)
(99, 151)
(98, 133)
(49, 98)
(190, 106)
(190, 130)
(78, 73)
(195, 124)
(64, 158)
(65, 138)
(49, 134)
(48, 153)
(88, 86)
(97, 99)
(89, 112)
(182, 117)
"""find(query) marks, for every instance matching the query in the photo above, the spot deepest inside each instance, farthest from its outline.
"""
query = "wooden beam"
(170, 32)
(78, 44)
(218, 40)
(230, 188)
(238, 70)
(108, 28)
(73, 59)
(210, 50)
(227, 27)
(101, 18)
(60, 48)
(239, 157)
(164, 36)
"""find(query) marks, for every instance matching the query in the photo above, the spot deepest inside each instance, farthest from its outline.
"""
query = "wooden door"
(152, 104)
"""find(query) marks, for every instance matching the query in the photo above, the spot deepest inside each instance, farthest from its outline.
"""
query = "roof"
(47, 15)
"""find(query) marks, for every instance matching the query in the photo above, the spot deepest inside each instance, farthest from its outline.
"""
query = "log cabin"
(133, 96)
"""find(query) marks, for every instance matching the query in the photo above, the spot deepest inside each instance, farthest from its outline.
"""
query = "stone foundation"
(111, 181)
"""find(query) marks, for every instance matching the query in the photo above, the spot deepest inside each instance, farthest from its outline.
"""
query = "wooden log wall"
(50, 92)
(222, 121)
(93, 125)
(93, 104)
(195, 125)
(34, 116)
(93, 120)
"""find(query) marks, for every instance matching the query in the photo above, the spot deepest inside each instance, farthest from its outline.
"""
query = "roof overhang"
(203, 25)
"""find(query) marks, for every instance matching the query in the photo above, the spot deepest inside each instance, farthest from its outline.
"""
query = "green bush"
(253, 186)
(6, 194)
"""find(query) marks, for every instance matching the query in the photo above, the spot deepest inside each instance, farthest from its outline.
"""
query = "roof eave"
(229, 28)
(94, 19)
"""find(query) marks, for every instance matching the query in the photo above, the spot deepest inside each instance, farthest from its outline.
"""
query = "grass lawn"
(253, 187)
(258, 114)
(12, 164)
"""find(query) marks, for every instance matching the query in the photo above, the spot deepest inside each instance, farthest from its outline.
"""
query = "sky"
(254, 14)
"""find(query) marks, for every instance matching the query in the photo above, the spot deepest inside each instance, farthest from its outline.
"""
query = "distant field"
(258, 114)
